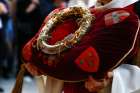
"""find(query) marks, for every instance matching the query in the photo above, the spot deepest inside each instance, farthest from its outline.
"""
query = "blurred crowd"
(19, 21)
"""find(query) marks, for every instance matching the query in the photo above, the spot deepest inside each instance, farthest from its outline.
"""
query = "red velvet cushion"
(113, 44)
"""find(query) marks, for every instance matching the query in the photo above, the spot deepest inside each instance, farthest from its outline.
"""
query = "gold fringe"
(19, 80)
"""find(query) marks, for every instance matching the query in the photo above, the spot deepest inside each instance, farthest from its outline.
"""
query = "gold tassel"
(19, 80)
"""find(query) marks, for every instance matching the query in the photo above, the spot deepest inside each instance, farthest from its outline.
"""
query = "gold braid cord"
(83, 19)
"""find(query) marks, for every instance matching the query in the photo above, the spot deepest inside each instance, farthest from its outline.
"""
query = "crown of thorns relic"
(84, 19)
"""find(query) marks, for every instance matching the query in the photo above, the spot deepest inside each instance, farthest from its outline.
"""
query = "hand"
(93, 85)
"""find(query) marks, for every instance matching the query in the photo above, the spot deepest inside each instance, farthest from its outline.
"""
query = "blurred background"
(19, 21)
